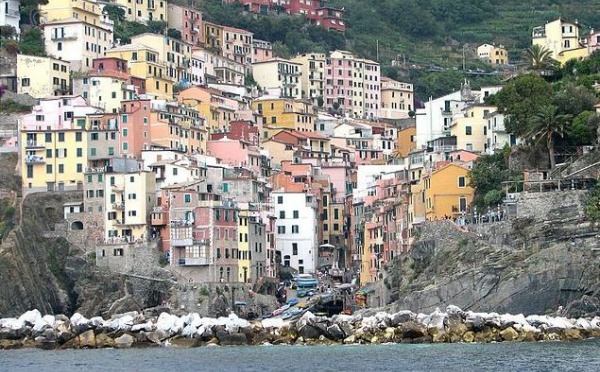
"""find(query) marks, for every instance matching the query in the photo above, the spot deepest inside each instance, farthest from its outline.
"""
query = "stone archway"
(77, 225)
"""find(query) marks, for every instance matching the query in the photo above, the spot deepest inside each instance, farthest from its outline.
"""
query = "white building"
(296, 230)
(207, 67)
(367, 174)
(77, 41)
(280, 74)
(497, 136)
(10, 15)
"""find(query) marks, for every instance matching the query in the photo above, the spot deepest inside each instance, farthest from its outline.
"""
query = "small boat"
(292, 301)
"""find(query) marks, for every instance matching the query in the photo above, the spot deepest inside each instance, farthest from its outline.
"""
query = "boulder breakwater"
(150, 328)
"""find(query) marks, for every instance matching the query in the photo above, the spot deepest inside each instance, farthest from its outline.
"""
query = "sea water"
(579, 356)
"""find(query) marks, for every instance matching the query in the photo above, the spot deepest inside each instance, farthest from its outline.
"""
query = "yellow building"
(88, 11)
(144, 62)
(447, 192)
(129, 199)
(175, 54)
(216, 109)
(471, 129)
(370, 257)
(42, 77)
(244, 252)
(143, 11)
(286, 113)
(561, 37)
(278, 151)
(57, 164)
(494, 54)
(405, 141)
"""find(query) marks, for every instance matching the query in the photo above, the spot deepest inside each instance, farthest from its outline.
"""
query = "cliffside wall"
(544, 257)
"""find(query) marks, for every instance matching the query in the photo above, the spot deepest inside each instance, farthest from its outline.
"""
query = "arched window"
(77, 225)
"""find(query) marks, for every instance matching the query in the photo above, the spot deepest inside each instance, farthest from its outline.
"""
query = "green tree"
(157, 27)
(574, 99)
(518, 99)
(486, 177)
(541, 60)
(582, 130)
(175, 34)
(547, 123)
(32, 43)
(115, 13)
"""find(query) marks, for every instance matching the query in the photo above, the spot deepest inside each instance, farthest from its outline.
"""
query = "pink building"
(234, 153)
(186, 20)
(261, 50)
(135, 127)
(218, 227)
(339, 81)
(56, 113)
(316, 11)
(594, 42)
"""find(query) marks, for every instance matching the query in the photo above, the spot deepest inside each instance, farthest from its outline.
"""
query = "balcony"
(129, 87)
(34, 145)
(34, 159)
(117, 188)
(118, 206)
(62, 37)
(196, 30)
(200, 261)
(182, 242)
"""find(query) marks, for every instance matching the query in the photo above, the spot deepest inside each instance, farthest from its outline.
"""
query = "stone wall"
(543, 206)
(139, 258)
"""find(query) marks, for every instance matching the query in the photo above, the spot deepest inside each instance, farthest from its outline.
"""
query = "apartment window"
(295, 229)
(39, 118)
(125, 146)
(280, 200)
(468, 130)
(125, 132)
(187, 198)
(78, 136)
(111, 151)
(296, 214)
(134, 56)
(49, 168)
(462, 181)
(48, 153)
(79, 152)
(61, 168)
(336, 227)
(282, 214)
(93, 151)
(325, 227)
(80, 168)
(48, 137)
(61, 137)
(295, 249)
(281, 229)
(25, 81)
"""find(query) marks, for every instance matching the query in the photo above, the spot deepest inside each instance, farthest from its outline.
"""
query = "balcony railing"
(34, 159)
(33, 144)
(182, 242)
(200, 261)
(64, 37)
(13, 13)
(118, 206)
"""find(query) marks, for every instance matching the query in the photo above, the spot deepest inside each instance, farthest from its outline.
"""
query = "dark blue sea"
(544, 356)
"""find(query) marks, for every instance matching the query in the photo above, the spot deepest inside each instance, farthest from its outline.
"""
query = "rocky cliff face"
(547, 255)
(39, 270)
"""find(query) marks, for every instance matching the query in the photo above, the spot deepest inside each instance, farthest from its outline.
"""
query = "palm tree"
(541, 59)
(546, 123)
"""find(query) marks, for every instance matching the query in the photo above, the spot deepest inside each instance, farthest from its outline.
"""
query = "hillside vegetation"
(418, 34)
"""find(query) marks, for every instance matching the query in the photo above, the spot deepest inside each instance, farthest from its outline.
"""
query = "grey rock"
(308, 332)
(124, 341)
(335, 332)
(235, 339)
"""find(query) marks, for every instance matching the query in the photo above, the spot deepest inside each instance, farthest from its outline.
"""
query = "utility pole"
(377, 50)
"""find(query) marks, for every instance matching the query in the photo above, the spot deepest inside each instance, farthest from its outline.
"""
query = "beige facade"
(129, 199)
(471, 129)
(396, 99)
(175, 54)
(312, 77)
(279, 74)
(561, 37)
(42, 77)
(496, 55)
(144, 11)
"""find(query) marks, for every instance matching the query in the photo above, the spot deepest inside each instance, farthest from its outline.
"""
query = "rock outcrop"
(541, 260)
(134, 329)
